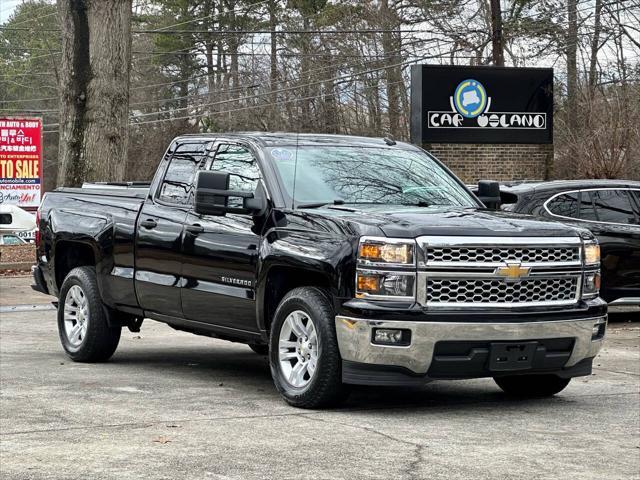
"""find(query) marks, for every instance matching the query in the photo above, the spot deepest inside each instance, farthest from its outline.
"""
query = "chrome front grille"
(445, 291)
(466, 272)
(503, 254)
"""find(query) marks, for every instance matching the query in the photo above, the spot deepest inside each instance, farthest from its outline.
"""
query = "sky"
(6, 8)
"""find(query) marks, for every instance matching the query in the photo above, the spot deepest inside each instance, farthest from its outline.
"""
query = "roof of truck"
(269, 139)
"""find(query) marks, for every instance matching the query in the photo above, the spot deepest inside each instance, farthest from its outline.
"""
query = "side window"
(613, 206)
(242, 167)
(565, 205)
(636, 205)
(6, 218)
(587, 212)
(177, 185)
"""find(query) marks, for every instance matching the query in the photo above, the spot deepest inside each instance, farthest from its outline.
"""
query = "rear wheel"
(305, 361)
(84, 331)
(532, 385)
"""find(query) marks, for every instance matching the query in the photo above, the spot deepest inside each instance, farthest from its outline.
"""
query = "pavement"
(171, 405)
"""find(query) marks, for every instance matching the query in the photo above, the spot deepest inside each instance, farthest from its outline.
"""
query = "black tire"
(325, 388)
(532, 386)
(259, 348)
(100, 340)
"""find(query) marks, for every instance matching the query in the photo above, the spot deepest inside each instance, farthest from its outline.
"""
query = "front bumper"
(462, 349)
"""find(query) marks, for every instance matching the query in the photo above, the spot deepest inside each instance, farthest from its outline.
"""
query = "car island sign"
(452, 104)
(20, 161)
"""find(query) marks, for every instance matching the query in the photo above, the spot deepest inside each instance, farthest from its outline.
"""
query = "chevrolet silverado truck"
(346, 260)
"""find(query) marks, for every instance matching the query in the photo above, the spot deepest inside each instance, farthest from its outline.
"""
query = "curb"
(16, 266)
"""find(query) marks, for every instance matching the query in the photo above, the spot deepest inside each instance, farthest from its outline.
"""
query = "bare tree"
(94, 89)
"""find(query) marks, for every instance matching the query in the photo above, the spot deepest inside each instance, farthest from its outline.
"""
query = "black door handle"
(149, 223)
(195, 228)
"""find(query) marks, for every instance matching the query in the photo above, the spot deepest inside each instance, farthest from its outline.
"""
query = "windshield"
(349, 174)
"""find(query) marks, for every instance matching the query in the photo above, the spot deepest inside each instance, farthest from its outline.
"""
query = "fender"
(305, 253)
(93, 230)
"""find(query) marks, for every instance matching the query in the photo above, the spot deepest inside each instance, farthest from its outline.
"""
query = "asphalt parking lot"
(171, 405)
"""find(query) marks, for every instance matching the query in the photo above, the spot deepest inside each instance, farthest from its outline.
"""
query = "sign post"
(21, 162)
(456, 104)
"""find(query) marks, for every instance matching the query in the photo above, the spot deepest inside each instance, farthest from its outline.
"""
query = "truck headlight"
(591, 253)
(386, 251)
(386, 268)
(591, 284)
(388, 284)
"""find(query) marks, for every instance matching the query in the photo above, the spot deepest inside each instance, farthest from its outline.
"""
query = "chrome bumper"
(355, 334)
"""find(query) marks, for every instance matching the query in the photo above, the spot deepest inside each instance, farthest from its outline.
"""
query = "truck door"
(160, 231)
(220, 253)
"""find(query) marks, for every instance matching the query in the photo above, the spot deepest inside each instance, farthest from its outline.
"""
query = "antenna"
(389, 140)
(295, 169)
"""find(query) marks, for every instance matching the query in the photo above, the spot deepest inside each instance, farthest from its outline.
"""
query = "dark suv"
(609, 208)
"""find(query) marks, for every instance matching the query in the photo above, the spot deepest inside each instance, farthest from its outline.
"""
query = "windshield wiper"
(337, 201)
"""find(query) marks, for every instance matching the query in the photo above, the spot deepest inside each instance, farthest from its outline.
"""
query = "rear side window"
(5, 219)
(243, 170)
(565, 205)
(635, 205)
(587, 212)
(613, 206)
(177, 185)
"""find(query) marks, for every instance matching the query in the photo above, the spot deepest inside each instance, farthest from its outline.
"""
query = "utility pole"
(94, 90)
(497, 40)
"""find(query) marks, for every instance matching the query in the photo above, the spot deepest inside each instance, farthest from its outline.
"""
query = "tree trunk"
(595, 45)
(94, 90)
(497, 42)
(391, 49)
(273, 79)
(572, 66)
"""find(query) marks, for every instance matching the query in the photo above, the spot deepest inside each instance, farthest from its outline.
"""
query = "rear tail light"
(37, 228)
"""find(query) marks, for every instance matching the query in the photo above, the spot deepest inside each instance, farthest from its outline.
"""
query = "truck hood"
(408, 221)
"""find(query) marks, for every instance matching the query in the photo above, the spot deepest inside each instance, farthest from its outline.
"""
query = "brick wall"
(473, 162)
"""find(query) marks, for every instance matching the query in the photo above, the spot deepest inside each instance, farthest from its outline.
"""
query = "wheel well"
(69, 255)
(281, 280)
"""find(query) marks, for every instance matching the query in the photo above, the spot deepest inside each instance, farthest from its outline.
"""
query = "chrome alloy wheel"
(298, 349)
(76, 315)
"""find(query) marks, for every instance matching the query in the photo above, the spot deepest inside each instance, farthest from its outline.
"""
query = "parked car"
(348, 260)
(11, 239)
(609, 208)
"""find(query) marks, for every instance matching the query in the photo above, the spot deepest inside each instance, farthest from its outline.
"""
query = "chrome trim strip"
(455, 241)
(354, 338)
(546, 208)
(626, 301)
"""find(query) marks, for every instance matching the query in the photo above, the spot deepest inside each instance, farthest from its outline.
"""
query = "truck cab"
(347, 260)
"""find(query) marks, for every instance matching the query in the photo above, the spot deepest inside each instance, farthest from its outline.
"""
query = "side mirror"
(489, 193)
(212, 194)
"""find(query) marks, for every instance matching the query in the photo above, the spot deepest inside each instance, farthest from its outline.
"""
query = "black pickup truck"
(347, 260)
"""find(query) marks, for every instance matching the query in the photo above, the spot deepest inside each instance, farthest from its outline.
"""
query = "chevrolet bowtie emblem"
(513, 272)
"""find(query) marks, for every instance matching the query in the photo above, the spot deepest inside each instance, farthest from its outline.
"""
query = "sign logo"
(512, 273)
(470, 99)
(471, 108)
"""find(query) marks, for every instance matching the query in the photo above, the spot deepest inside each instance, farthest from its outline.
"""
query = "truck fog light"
(599, 328)
(391, 336)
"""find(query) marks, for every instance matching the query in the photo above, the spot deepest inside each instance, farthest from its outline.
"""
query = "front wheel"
(305, 361)
(532, 385)
(85, 333)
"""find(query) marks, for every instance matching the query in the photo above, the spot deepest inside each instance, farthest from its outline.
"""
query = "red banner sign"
(20, 161)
